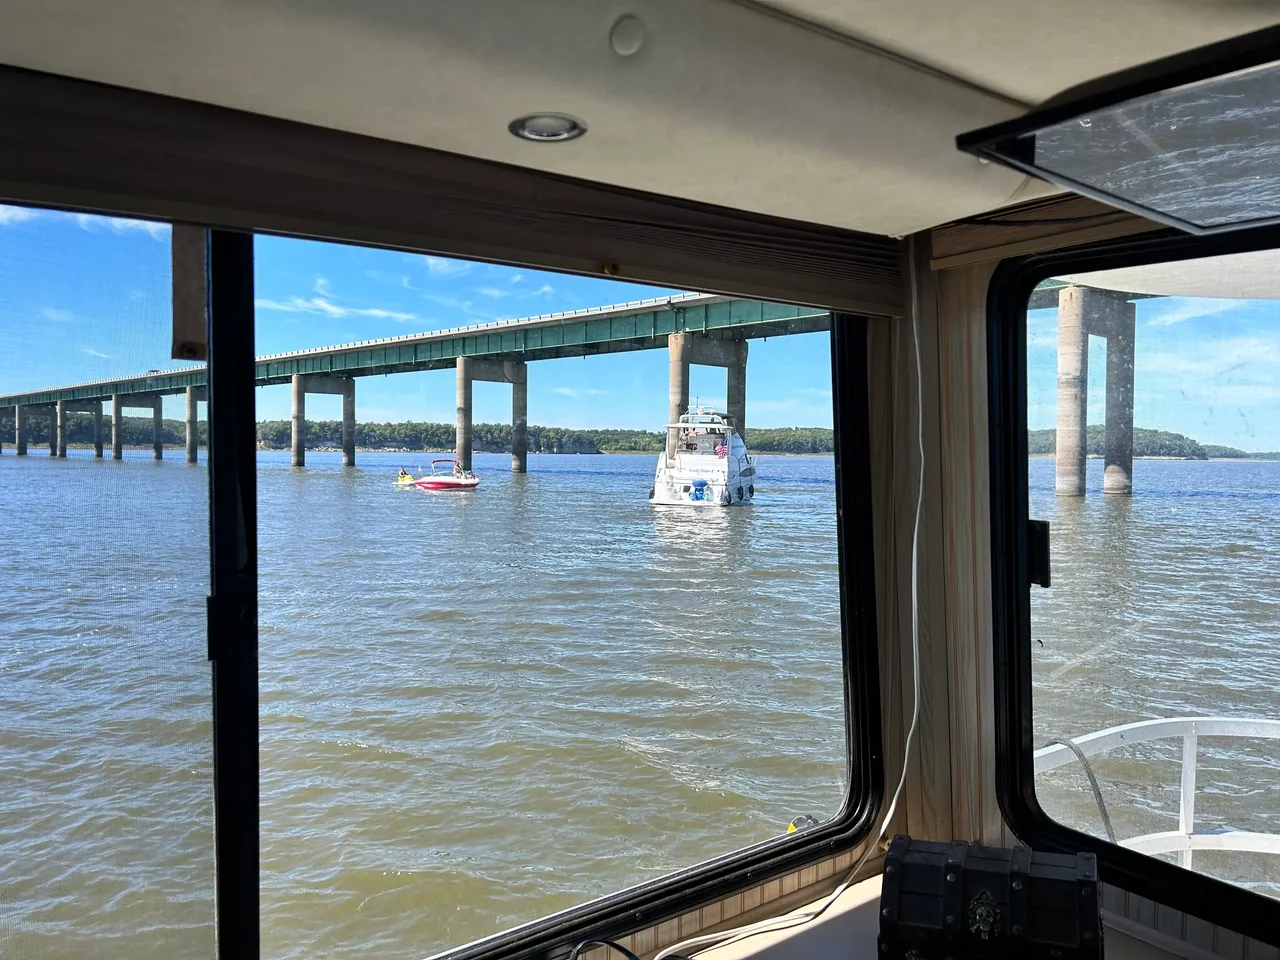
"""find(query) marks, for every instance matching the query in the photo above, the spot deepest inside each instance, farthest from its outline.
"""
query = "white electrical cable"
(777, 924)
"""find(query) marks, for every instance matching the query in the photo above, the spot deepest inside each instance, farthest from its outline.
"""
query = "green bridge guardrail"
(642, 325)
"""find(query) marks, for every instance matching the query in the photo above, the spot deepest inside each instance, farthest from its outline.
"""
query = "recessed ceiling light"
(547, 127)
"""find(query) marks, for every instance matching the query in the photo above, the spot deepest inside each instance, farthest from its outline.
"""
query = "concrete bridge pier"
(304, 383)
(153, 403)
(685, 349)
(1085, 312)
(514, 372)
(79, 406)
(520, 420)
(20, 429)
(298, 441)
(52, 412)
(194, 396)
(678, 348)
(462, 413)
(349, 421)
(61, 416)
(157, 429)
(117, 427)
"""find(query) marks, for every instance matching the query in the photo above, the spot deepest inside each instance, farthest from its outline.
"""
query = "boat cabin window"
(1152, 452)
(548, 595)
(599, 664)
(106, 759)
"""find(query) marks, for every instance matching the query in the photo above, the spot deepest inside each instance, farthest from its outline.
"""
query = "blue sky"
(84, 298)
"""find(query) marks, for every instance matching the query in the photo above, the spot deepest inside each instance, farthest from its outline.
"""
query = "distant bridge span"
(695, 328)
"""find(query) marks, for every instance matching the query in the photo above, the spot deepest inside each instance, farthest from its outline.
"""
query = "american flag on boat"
(721, 449)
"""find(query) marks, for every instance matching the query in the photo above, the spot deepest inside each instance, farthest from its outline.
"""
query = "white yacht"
(705, 463)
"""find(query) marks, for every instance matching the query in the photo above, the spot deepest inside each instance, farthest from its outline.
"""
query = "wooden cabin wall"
(951, 776)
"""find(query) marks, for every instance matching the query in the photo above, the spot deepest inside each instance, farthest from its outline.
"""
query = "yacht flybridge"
(705, 463)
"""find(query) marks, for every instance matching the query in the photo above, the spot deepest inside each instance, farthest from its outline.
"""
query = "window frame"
(1008, 295)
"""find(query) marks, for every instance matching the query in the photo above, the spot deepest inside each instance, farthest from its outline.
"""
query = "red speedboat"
(447, 475)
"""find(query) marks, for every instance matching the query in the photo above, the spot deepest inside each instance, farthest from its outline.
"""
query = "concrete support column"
(117, 427)
(20, 429)
(349, 423)
(519, 417)
(678, 349)
(157, 429)
(1073, 392)
(53, 431)
(97, 430)
(736, 393)
(1117, 475)
(299, 421)
(462, 441)
(193, 425)
(61, 428)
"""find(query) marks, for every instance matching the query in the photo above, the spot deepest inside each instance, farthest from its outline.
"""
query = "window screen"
(549, 598)
(106, 832)
(1154, 442)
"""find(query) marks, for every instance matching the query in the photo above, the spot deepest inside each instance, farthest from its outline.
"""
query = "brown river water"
(478, 709)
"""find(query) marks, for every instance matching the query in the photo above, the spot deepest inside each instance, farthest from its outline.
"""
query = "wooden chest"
(961, 901)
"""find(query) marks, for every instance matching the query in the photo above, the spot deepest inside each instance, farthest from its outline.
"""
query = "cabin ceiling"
(802, 115)
(1236, 276)
(1031, 50)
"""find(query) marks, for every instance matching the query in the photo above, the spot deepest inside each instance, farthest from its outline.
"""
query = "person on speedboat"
(457, 469)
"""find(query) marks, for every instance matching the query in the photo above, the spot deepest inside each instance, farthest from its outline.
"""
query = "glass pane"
(1205, 153)
(1155, 455)
(106, 832)
(488, 695)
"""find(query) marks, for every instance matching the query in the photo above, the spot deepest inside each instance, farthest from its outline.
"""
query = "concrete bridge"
(694, 328)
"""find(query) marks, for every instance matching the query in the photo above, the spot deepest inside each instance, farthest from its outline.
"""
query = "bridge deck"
(641, 325)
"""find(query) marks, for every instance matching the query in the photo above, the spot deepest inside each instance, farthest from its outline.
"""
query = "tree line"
(137, 430)
(486, 437)
(496, 438)
(1146, 443)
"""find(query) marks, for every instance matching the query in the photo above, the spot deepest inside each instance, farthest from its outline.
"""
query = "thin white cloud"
(545, 290)
(440, 267)
(123, 226)
(97, 353)
(492, 292)
(1191, 309)
(515, 278)
(10, 215)
(322, 287)
(326, 308)
(57, 315)
(576, 392)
